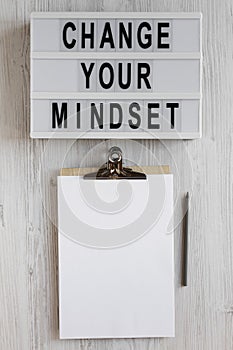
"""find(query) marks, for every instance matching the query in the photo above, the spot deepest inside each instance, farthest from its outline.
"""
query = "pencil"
(185, 243)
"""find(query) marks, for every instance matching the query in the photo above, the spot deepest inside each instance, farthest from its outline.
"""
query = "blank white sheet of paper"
(116, 257)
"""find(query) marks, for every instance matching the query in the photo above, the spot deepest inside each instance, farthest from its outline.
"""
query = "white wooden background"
(28, 170)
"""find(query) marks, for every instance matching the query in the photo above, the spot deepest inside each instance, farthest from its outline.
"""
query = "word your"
(115, 115)
(119, 37)
(143, 72)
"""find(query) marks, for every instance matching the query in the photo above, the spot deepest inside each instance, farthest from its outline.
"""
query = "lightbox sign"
(116, 75)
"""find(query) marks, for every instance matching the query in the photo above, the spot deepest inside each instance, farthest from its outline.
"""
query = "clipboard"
(114, 168)
(124, 290)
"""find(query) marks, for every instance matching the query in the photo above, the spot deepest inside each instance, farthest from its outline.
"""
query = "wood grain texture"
(28, 235)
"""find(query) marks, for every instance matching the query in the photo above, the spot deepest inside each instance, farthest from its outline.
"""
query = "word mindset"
(98, 113)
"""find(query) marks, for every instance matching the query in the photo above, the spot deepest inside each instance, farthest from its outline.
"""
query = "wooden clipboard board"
(161, 169)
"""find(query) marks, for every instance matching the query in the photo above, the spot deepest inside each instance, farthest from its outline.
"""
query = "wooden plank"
(28, 196)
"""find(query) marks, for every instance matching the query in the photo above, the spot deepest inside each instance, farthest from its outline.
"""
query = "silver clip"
(114, 169)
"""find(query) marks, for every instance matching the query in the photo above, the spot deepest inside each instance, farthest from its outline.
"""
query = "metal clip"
(114, 169)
